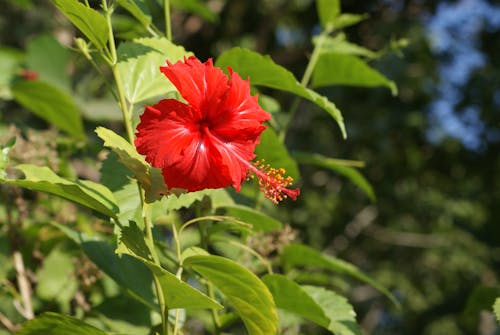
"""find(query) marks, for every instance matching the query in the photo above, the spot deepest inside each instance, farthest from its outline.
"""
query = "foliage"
(94, 242)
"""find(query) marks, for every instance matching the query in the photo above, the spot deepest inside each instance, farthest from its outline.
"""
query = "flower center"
(273, 182)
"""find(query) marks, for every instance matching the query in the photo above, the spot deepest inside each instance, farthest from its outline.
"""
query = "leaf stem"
(168, 25)
(126, 113)
(306, 77)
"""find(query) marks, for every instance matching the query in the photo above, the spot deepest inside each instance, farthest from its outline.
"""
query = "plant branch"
(168, 25)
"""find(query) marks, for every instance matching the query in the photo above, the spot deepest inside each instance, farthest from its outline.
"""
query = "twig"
(8, 324)
(24, 285)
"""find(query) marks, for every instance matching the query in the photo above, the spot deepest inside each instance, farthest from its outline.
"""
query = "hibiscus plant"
(191, 174)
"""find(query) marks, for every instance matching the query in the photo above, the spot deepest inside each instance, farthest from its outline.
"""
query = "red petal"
(201, 84)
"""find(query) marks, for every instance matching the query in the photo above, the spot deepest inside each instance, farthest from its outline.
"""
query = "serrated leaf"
(139, 64)
(89, 21)
(150, 178)
(336, 308)
(302, 255)
(274, 153)
(264, 72)
(46, 56)
(496, 308)
(83, 192)
(327, 10)
(57, 324)
(259, 221)
(339, 44)
(51, 104)
(177, 293)
(218, 197)
(290, 296)
(138, 9)
(342, 69)
(244, 290)
(350, 173)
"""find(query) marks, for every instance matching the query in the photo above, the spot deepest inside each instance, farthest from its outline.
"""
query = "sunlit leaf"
(89, 21)
(177, 293)
(84, 192)
(347, 19)
(336, 308)
(138, 9)
(273, 152)
(302, 255)
(328, 10)
(339, 44)
(150, 178)
(258, 220)
(263, 71)
(51, 104)
(342, 69)
(244, 290)
(290, 296)
(57, 324)
(350, 173)
(139, 64)
(5, 149)
(496, 308)
(218, 197)
(10, 60)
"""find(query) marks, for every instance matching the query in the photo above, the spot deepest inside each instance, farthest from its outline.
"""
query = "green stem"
(130, 135)
(168, 26)
(215, 314)
(306, 77)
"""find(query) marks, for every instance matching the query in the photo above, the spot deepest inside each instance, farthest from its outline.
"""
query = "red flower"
(210, 141)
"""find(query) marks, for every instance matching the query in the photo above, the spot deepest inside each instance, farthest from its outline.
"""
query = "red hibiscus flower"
(209, 141)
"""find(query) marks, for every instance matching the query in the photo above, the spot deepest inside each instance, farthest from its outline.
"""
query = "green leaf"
(126, 271)
(4, 155)
(57, 324)
(219, 198)
(340, 45)
(139, 64)
(51, 104)
(342, 69)
(329, 163)
(336, 308)
(301, 255)
(496, 308)
(274, 153)
(150, 178)
(10, 60)
(90, 22)
(259, 221)
(56, 280)
(290, 296)
(244, 290)
(49, 59)
(264, 72)
(138, 9)
(346, 20)
(177, 293)
(328, 10)
(83, 192)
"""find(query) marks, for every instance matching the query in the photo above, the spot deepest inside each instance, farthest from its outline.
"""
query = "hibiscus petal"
(202, 85)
